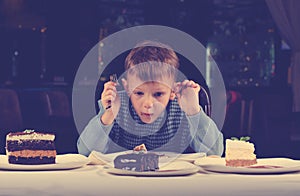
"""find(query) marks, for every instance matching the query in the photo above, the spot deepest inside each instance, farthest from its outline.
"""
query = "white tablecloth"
(93, 180)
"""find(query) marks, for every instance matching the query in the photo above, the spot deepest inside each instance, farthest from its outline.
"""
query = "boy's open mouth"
(147, 114)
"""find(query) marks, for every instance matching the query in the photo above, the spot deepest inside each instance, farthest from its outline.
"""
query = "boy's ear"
(125, 85)
(173, 95)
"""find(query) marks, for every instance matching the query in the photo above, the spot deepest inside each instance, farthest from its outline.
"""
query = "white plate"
(191, 157)
(165, 157)
(66, 161)
(263, 166)
(177, 168)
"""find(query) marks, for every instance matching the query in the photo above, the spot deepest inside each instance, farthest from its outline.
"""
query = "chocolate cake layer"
(31, 160)
(137, 162)
(30, 145)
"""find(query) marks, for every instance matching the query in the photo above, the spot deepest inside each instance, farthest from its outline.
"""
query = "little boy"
(154, 109)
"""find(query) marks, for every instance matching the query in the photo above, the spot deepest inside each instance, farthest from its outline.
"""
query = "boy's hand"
(110, 101)
(187, 93)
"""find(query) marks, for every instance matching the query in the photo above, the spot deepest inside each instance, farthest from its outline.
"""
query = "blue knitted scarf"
(169, 132)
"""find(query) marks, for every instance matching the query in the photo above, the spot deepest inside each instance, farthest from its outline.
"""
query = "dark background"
(44, 41)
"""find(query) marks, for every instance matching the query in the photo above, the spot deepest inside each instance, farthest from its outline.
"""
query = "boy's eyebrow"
(137, 88)
(160, 89)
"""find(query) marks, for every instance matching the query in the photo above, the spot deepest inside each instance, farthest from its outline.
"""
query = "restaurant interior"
(43, 42)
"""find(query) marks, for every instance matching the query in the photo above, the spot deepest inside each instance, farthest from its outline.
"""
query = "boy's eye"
(158, 94)
(138, 93)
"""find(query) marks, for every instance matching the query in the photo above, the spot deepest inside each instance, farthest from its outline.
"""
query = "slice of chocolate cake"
(137, 162)
(30, 147)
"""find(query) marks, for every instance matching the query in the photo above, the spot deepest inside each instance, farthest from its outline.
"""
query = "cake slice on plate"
(239, 152)
(140, 160)
(29, 147)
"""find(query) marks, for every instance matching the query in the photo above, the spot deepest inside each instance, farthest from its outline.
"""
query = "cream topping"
(239, 150)
(31, 136)
(239, 144)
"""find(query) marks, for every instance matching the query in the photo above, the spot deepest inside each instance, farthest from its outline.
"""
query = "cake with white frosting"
(239, 153)
(29, 147)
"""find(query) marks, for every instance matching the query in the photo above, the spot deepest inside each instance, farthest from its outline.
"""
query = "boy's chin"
(148, 121)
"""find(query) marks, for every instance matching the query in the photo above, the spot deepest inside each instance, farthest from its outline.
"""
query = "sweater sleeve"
(206, 135)
(94, 135)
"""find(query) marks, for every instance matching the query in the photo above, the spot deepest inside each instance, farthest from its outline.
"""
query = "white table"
(93, 180)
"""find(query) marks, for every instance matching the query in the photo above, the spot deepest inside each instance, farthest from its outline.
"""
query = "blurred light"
(43, 30)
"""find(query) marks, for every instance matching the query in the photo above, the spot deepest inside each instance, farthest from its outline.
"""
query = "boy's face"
(149, 99)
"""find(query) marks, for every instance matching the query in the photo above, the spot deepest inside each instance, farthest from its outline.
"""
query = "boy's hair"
(151, 61)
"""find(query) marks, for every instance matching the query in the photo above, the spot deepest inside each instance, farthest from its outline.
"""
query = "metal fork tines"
(114, 78)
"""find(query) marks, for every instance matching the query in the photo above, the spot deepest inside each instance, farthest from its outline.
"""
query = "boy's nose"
(148, 103)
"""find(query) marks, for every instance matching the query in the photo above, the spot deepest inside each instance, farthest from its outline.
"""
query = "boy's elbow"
(220, 150)
(218, 147)
(82, 149)
(217, 151)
